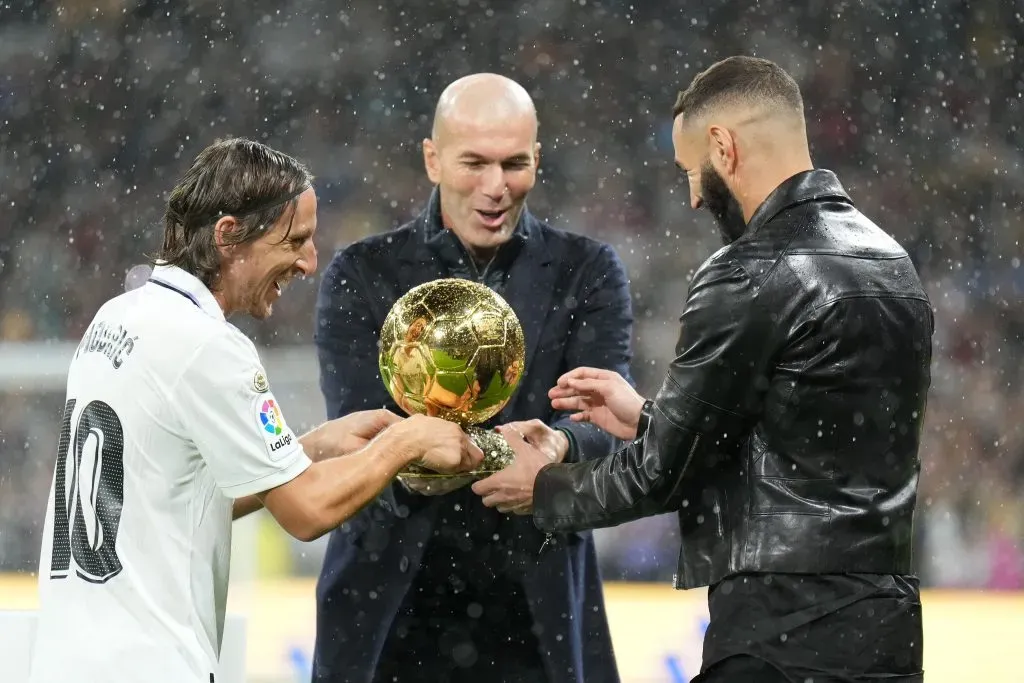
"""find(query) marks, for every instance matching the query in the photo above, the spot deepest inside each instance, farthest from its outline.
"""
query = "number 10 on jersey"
(88, 494)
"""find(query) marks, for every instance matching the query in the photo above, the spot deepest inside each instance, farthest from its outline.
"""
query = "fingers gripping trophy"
(454, 349)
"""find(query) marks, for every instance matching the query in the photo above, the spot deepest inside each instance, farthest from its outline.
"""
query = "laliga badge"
(259, 382)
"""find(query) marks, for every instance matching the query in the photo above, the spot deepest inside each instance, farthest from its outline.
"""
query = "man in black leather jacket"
(786, 433)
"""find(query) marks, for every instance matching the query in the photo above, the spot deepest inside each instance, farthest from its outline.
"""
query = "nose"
(493, 184)
(307, 259)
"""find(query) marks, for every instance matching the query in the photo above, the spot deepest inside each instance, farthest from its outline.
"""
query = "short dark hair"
(739, 78)
(234, 177)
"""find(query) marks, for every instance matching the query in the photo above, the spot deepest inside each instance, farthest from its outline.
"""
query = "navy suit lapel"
(530, 287)
(418, 257)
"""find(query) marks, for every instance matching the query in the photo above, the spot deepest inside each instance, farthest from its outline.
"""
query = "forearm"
(316, 447)
(335, 489)
(642, 479)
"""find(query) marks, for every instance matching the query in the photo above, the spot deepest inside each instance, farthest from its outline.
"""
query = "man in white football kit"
(171, 429)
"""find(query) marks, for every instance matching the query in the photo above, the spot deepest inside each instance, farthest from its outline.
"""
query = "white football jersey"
(169, 416)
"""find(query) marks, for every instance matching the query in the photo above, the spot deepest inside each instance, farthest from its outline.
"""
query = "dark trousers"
(742, 669)
(461, 631)
(822, 628)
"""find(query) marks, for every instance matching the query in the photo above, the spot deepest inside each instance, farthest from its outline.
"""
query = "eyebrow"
(473, 156)
(296, 233)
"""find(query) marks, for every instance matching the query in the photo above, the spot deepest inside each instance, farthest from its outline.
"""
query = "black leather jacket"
(786, 433)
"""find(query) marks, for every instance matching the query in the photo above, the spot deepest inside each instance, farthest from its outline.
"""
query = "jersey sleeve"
(227, 409)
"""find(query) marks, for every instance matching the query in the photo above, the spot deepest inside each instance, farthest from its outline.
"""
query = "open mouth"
(492, 219)
(279, 286)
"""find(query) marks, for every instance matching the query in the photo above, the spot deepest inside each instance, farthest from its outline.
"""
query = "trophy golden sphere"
(454, 349)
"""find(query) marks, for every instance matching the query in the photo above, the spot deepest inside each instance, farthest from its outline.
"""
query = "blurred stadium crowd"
(916, 105)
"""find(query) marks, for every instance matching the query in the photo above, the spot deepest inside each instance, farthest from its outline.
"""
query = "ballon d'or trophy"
(454, 349)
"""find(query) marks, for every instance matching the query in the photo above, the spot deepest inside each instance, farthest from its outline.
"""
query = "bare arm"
(240, 431)
(250, 504)
(332, 439)
(330, 491)
(245, 506)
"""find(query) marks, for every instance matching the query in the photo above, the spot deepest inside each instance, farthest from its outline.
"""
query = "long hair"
(236, 177)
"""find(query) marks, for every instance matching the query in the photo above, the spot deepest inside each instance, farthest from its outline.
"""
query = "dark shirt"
(489, 538)
(466, 617)
(827, 628)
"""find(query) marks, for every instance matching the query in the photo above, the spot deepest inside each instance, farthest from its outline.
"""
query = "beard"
(721, 203)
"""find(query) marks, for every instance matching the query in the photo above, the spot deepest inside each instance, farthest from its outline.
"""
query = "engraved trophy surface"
(454, 349)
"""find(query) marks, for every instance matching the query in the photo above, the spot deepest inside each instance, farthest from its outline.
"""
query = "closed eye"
(298, 241)
(515, 162)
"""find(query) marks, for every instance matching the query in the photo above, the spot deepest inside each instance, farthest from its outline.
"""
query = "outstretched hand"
(511, 489)
(363, 426)
(601, 397)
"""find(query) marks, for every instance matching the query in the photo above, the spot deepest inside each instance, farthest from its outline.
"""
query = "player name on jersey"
(110, 340)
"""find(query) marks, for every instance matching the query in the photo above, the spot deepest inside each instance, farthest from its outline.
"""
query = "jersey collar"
(187, 285)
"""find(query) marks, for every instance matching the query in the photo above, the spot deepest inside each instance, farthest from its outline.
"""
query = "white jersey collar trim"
(188, 286)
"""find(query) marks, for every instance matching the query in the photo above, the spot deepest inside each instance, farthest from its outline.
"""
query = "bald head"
(482, 156)
(480, 100)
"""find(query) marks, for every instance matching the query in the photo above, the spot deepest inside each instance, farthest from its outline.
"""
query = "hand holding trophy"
(454, 349)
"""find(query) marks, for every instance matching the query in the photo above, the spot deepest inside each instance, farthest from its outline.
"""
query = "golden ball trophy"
(454, 349)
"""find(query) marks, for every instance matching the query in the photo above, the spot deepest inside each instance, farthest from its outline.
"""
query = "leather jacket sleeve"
(700, 414)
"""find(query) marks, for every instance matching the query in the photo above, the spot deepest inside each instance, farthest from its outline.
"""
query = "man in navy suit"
(426, 583)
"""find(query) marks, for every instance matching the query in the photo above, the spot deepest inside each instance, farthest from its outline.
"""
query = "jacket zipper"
(677, 581)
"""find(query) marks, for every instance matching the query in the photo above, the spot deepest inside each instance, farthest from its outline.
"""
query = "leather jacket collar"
(806, 186)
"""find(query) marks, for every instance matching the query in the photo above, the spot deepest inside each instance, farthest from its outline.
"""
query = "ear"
(722, 150)
(536, 155)
(432, 161)
(222, 232)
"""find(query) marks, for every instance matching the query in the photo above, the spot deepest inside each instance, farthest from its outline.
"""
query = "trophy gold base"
(497, 456)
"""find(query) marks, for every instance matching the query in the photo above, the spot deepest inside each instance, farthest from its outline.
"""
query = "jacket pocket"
(777, 495)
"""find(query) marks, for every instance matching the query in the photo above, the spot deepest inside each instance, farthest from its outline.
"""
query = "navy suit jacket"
(572, 297)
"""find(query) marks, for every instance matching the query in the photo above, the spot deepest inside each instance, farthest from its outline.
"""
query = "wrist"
(397, 449)
(637, 417)
(313, 444)
(563, 445)
(641, 404)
